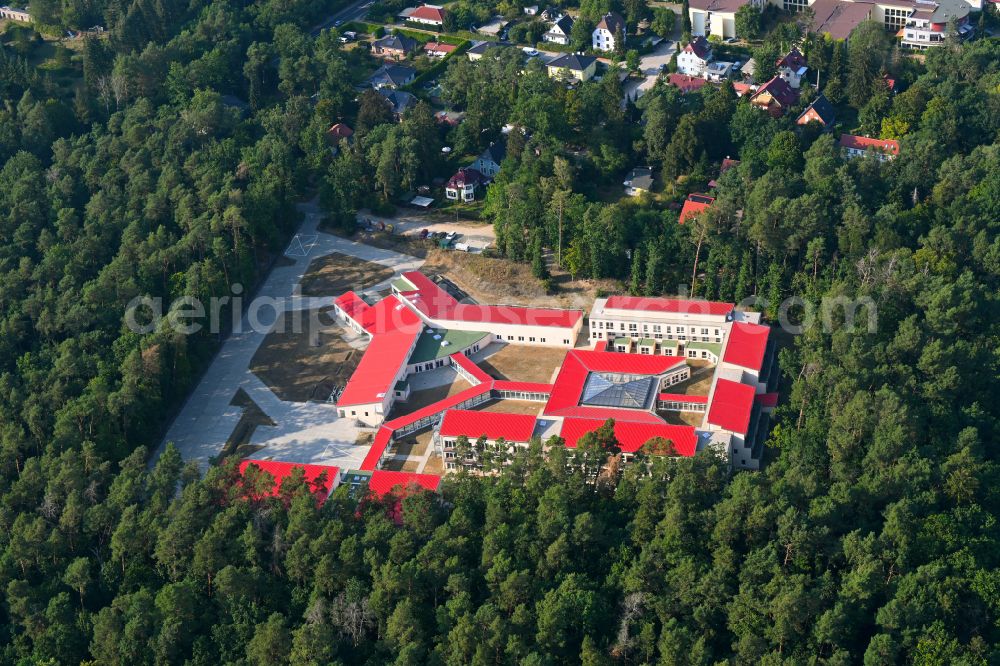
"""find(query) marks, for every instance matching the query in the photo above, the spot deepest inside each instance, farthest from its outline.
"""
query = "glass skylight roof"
(602, 390)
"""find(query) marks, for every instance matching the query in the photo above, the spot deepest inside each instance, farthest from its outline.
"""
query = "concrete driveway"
(304, 432)
(650, 65)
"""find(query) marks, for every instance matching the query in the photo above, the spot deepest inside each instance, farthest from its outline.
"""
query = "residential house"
(792, 67)
(686, 83)
(776, 96)
(573, 66)
(717, 17)
(396, 47)
(693, 206)
(463, 185)
(531, 10)
(432, 15)
(609, 30)
(477, 51)
(551, 14)
(694, 57)
(719, 71)
(638, 181)
(489, 161)
(859, 146)
(438, 50)
(727, 164)
(399, 101)
(819, 111)
(392, 76)
(930, 25)
(339, 132)
(13, 14)
(558, 32)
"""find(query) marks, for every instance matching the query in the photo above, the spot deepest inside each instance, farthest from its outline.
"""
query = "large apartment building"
(918, 24)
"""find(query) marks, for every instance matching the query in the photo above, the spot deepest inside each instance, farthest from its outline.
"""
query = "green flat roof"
(429, 349)
(646, 342)
(713, 347)
(402, 284)
(622, 341)
(668, 343)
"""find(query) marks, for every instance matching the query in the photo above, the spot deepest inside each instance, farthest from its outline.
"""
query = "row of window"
(597, 335)
(656, 328)
(520, 338)
(676, 406)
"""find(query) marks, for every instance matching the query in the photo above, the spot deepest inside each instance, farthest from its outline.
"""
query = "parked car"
(530, 52)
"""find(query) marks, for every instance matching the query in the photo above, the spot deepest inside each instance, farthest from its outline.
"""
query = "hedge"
(438, 67)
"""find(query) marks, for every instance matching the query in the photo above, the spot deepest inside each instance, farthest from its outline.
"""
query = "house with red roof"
(776, 96)
(464, 184)
(694, 205)
(686, 83)
(438, 49)
(859, 146)
(750, 351)
(432, 15)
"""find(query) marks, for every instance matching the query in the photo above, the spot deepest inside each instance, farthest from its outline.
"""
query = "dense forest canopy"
(173, 169)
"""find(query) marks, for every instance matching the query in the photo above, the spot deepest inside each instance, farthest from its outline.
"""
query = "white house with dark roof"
(694, 58)
(558, 32)
(609, 29)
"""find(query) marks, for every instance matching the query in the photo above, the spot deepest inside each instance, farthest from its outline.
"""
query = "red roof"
(889, 146)
(473, 424)
(438, 47)
(528, 387)
(631, 436)
(437, 407)
(383, 481)
(686, 83)
(282, 470)
(694, 205)
(428, 13)
(378, 447)
(478, 373)
(465, 175)
(766, 399)
(435, 303)
(780, 90)
(564, 399)
(352, 305)
(683, 397)
(672, 305)
(732, 405)
(394, 329)
(340, 131)
(747, 345)
(792, 60)
(742, 88)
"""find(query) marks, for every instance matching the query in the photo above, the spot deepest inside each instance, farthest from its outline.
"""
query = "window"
(531, 339)
(565, 342)
(896, 18)
(510, 337)
(499, 337)
(656, 328)
(353, 413)
(632, 327)
(704, 331)
(520, 338)
(542, 340)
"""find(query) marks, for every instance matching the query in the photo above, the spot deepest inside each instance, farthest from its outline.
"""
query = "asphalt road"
(354, 12)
